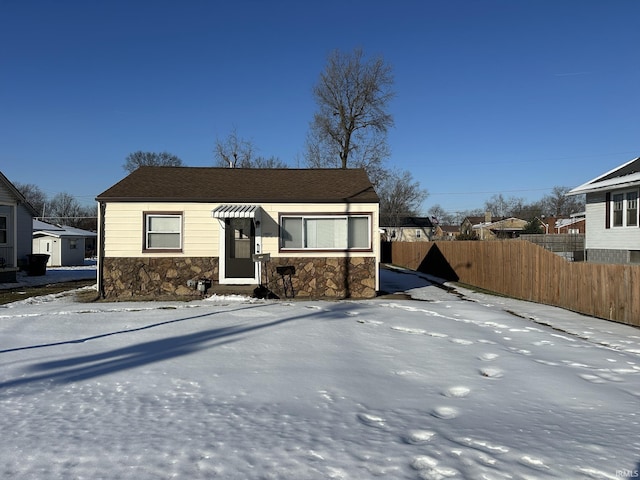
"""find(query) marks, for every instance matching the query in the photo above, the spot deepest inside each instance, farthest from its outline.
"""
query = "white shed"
(66, 246)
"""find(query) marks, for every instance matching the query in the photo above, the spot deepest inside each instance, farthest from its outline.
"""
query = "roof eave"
(232, 200)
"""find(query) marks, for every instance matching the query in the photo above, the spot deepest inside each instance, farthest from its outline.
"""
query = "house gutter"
(100, 273)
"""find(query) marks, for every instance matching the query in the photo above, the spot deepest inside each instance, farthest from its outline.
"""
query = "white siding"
(599, 237)
(124, 227)
(6, 195)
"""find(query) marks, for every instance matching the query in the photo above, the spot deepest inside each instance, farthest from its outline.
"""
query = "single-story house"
(446, 232)
(510, 227)
(612, 221)
(16, 215)
(406, 228)
(573, 225)
(164, 230)
(66, 246)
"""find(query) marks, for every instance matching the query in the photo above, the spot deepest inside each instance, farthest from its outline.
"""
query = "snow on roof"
(58, 232)
(40, 225)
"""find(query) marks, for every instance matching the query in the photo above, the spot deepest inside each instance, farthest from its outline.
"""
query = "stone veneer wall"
(156, 277)
(168, 276)
(323, 277)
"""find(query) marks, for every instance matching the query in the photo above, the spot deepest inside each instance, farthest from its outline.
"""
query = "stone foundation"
(167, 277)
(622, 257)
(156, 277)
(325, 277)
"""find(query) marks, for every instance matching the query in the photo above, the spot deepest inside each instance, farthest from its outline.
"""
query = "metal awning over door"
(235, 211)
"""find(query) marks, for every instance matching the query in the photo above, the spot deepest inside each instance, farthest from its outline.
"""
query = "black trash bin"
(37, 264)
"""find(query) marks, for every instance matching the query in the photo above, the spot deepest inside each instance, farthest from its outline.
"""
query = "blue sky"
(492, 96)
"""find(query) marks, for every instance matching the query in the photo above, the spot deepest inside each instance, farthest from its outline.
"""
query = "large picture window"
(163, 231)
(624, 209)
(337, 232)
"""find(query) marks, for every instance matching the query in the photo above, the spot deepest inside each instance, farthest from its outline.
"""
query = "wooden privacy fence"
(522, 270)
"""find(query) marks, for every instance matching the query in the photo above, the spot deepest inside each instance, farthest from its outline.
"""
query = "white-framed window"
(4, 233)
(163, 231)
(325, 232)
(624, 209)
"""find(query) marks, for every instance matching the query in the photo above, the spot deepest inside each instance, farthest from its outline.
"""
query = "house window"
(163, 231)
(325, 232)
(418, 233)
(632, 209)
(624, 209)
(618, 208)
(73, 244)
(3, 229)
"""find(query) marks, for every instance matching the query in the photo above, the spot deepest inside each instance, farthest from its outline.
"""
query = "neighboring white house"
(612, 221)
(66, 246)
(15, 230)
(406, 228)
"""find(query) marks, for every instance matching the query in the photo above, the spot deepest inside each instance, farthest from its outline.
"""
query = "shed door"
(239, 248)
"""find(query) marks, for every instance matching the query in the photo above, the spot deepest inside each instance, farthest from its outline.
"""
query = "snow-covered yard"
(448, 386)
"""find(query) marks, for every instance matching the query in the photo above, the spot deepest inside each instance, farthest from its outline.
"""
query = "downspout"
(100, 279)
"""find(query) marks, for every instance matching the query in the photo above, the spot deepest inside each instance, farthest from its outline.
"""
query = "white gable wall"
(6, 195)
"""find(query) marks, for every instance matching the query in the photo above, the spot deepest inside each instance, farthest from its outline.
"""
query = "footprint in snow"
(600, 378)
(457, 392)
(487, 357)
(533, 462)
(461, 341)
(446, 413)
(428, 468)
(418, 437)
(491, 372)
(371, 420)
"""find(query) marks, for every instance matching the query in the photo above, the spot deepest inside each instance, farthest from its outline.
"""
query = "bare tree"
(441, 215)
(271, 162)
(350, 127)
(400, 196)
(233, 151)
(64, 209)
(237, 152)
(558, 204)
(499, 206)
(34, 195)
(143, 159)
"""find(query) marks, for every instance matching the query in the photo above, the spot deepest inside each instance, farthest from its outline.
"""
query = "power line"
(493, 192)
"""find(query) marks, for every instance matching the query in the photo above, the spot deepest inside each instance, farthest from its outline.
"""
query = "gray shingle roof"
(246, 185)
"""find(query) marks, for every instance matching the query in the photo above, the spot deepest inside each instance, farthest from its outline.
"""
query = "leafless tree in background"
(237, 152)
(350, 127)
(143, 159)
